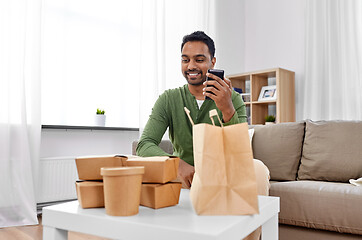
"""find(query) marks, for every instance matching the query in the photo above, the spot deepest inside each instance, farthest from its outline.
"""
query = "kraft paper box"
(160, 195)
(157, 169)
(90, 194)
(89, 167)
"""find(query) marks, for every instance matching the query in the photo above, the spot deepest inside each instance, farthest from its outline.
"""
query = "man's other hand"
(185, 173)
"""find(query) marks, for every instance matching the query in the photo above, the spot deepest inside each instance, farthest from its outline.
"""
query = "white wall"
(262, 34)
(73, 143)
(274, 37)
(229, 39)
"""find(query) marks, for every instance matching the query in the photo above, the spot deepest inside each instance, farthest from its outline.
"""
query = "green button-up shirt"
(168, 112)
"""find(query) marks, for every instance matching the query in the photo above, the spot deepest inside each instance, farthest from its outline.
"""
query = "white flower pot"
(100, 120)
(269, 123)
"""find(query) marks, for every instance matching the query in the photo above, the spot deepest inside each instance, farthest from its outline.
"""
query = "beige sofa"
(310, 166)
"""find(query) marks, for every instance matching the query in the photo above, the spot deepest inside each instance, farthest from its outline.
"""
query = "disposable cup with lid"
(122, 190)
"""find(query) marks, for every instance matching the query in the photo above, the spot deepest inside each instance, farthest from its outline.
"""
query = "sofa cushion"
(332, 151)
(320, 205)
(279, 146)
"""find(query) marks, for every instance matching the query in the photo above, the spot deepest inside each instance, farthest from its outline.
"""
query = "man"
(197, 56)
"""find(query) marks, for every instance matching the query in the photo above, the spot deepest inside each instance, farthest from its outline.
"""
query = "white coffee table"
(177, 222)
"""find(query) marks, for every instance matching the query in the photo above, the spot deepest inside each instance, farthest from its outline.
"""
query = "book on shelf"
(238, 90)
(246, 97)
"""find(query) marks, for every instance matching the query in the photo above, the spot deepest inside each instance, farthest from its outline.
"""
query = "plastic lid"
(119, 171)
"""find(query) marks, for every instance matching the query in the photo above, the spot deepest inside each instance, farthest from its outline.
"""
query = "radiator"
(57, 176)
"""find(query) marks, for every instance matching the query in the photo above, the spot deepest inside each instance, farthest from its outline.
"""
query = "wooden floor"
(36, 233)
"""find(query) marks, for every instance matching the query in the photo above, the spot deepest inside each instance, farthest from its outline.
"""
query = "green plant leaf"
(270, 118)
(99, 111)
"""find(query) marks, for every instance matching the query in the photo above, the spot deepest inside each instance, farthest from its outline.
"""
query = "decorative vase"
(100, 120)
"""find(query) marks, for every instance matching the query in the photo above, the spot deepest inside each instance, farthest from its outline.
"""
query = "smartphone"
(216, 72)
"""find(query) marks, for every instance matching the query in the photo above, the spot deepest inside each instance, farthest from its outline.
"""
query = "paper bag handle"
(212, 114)
(188, 114)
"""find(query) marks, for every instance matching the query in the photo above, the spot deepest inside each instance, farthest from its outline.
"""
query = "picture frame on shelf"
(268, 93)
(246, 97)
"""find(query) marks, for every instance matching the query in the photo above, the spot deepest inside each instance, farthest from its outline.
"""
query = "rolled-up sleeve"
(240, 110)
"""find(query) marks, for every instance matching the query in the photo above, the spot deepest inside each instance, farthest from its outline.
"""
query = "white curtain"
(164, 23)
(20, 110)
(333, 79)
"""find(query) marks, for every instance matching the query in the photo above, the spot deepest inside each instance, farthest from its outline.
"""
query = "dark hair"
(202, 37)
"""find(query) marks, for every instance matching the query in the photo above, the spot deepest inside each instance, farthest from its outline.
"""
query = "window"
(90, 60)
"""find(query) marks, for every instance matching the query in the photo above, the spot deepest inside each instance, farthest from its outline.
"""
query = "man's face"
(195, 61)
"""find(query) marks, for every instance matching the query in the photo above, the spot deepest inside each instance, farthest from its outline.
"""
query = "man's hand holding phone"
(219, 89)
(213, 74)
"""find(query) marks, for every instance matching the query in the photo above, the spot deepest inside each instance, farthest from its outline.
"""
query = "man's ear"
(213, 61)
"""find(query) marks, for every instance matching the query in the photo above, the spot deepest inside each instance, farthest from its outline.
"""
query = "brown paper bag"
(224, 182)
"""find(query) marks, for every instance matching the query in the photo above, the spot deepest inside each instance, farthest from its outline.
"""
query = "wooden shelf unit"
(285, 101)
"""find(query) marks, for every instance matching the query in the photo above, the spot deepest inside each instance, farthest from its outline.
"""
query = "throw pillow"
(279, 146)
(332, 151)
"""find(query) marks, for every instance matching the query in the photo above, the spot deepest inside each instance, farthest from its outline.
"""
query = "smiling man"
(197, 56)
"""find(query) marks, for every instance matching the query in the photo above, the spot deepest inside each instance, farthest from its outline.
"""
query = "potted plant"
(270, 119)
(100, 118)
